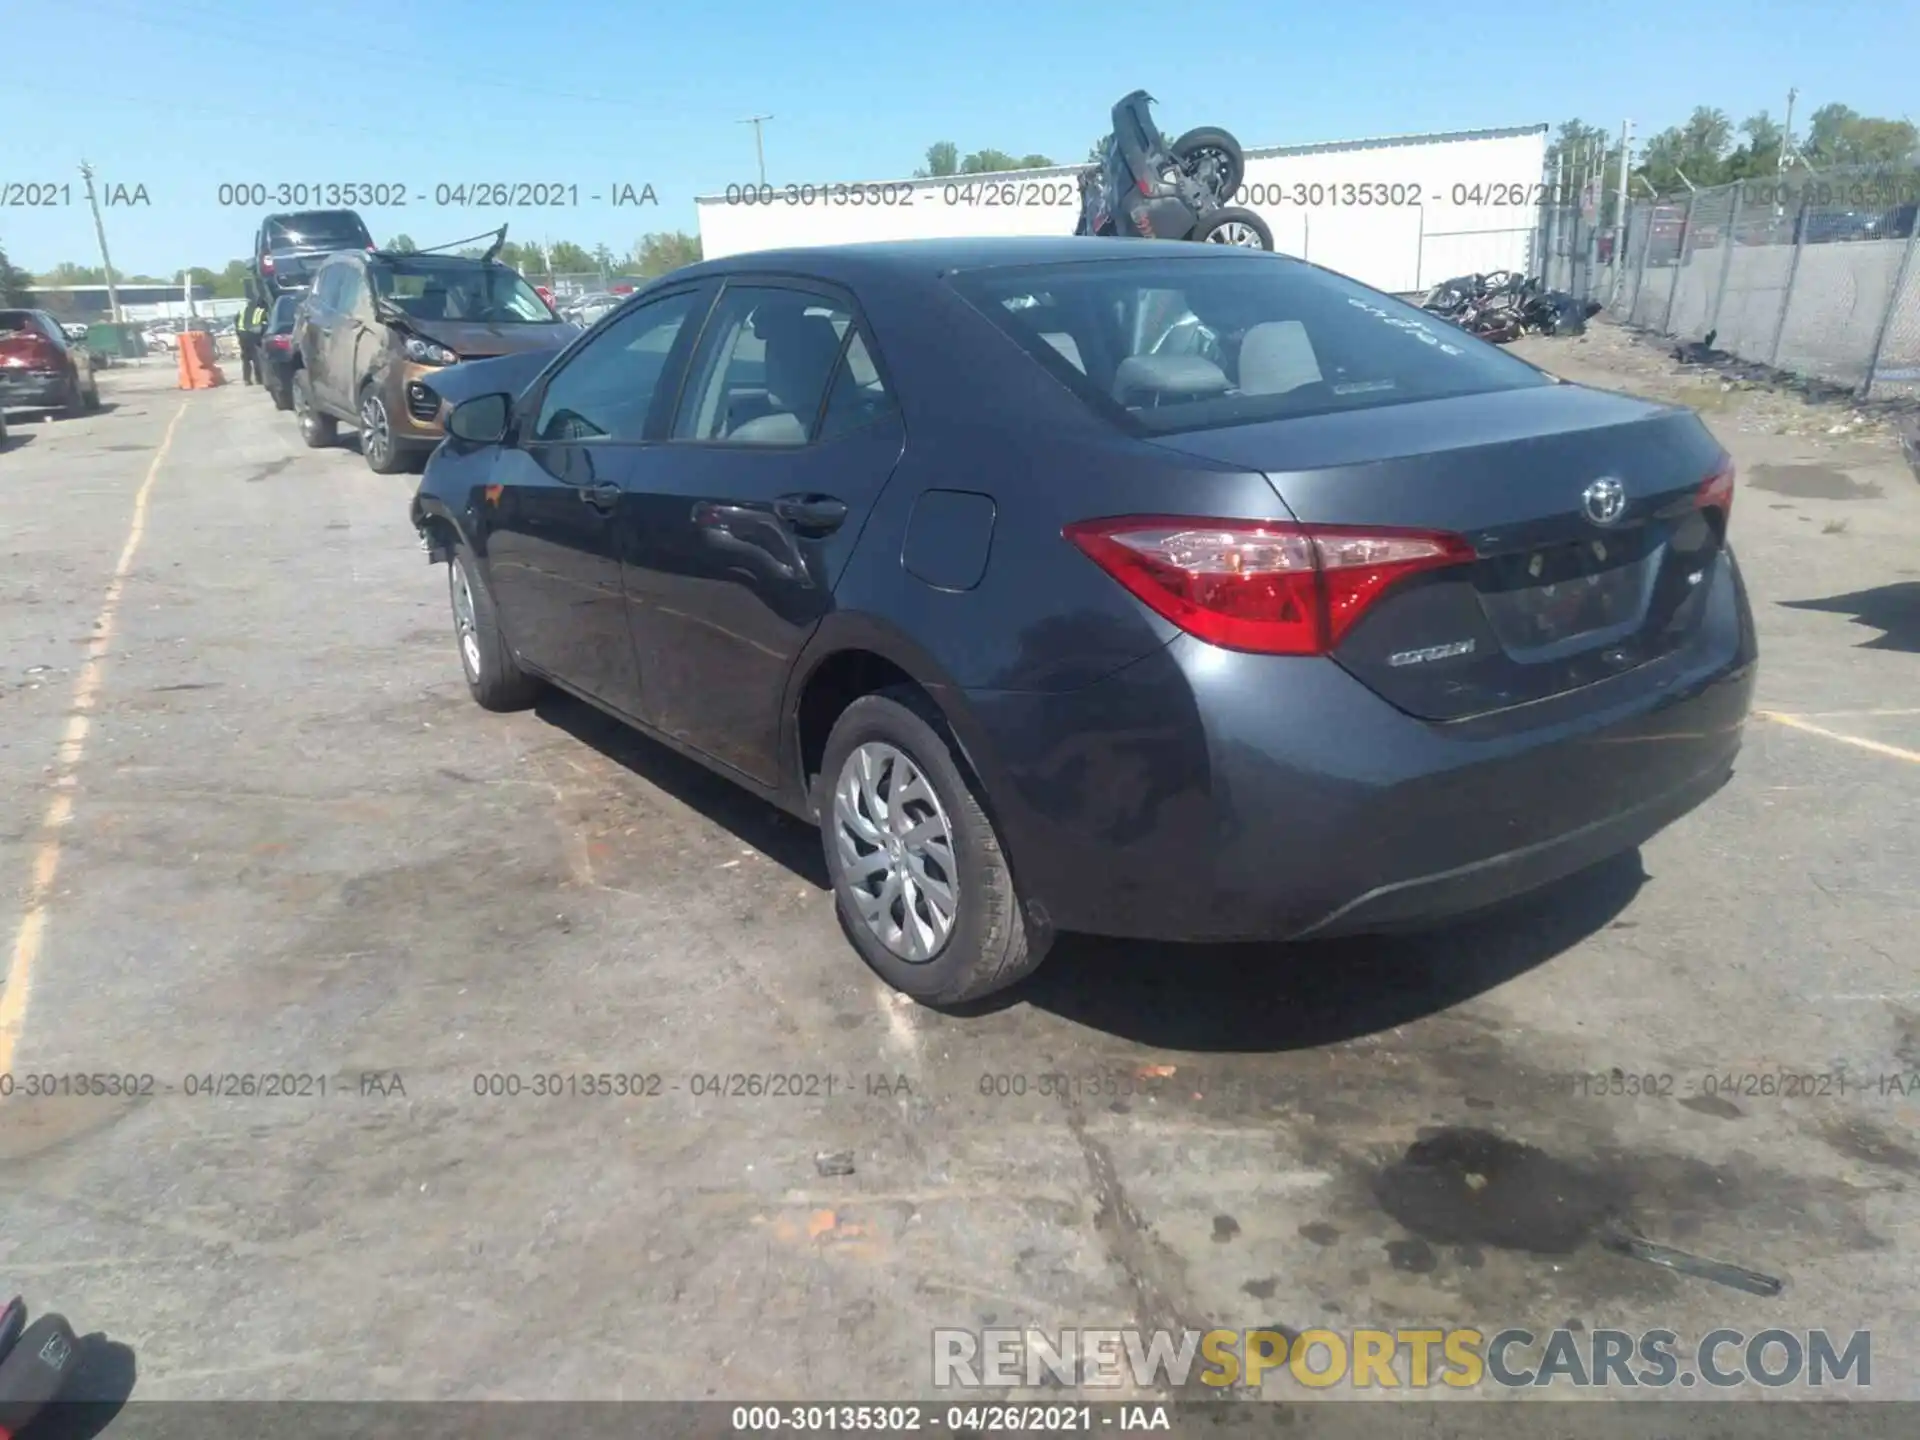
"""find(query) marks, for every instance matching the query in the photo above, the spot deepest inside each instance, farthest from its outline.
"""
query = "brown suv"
(376, 324)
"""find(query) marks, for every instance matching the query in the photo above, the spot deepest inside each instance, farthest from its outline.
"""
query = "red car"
(40, 369)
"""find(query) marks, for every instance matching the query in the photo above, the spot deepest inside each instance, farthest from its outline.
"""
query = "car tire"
(1210, 138)
(90, 400)
(383, 454)
(1235, 226)
(494, 677)
(281, 399)
(316, 430)
(893, 737)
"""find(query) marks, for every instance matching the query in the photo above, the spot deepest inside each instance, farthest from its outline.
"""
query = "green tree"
(68, 273)
(13, 282)
(402, 244)
(568, 258)
(1759, 154)
(1840, 135)
(656, 253)
(527, 259)
(232, 283)
(943, 158)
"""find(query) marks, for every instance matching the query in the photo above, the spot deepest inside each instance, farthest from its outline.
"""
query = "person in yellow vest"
(249, 328)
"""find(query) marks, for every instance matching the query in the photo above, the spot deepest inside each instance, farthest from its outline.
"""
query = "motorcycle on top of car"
(1146, 188)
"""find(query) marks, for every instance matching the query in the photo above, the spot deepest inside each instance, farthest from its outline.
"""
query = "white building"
(1399, 214)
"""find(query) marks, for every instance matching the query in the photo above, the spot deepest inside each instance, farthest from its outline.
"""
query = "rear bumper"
(22, 388)
(1201, 794)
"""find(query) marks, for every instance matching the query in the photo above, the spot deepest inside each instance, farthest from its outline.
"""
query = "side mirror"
(481, 420)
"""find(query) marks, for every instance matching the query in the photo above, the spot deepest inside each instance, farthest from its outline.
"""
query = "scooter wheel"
(1234, 227)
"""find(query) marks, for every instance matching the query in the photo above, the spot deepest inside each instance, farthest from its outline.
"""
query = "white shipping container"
(1399, 214)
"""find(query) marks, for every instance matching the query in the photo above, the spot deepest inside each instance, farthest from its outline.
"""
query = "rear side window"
(761, 374)
(1163, 345)
(858, 397)
(317, 230)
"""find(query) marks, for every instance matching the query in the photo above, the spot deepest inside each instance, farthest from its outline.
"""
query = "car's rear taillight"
(266, 262)
(1716, 492)
(1267, 586)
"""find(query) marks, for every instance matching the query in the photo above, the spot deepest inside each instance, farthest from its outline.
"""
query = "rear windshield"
(282, 316)
(1164, 345)
(18, 322)
(317, 230)
(437, 287)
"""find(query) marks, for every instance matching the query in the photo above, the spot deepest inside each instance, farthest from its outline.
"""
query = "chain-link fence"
(1812, 274)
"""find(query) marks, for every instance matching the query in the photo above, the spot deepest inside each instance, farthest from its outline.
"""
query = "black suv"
(288, 248)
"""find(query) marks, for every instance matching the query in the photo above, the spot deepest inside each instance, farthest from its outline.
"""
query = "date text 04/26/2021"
(955, 1420)
(462, 194)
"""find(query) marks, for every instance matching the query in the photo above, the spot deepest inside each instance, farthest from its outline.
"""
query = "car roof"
(436, 255)
(285, 215)
(931, 259)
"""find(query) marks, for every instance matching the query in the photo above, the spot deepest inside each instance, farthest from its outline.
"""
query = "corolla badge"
(1431, 652)
(1605, 500)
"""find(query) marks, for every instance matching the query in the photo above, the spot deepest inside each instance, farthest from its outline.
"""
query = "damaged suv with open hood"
(378, 324)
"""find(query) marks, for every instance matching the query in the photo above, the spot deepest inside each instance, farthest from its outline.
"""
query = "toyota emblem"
(1605, 500)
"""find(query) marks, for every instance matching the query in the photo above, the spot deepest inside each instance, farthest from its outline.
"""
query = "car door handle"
(601, 497)
(811, 514)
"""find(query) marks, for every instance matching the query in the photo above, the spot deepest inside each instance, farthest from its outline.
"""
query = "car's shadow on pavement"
(765, 827)
(1254, 997)
(1203, 998)
(1893, 609)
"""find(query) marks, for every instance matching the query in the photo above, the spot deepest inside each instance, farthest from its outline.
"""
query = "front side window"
(1164, 345)
(440, 288)
(607, 389)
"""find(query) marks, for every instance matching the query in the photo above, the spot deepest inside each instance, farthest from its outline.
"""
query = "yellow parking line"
(1912, 757)
(86, 690)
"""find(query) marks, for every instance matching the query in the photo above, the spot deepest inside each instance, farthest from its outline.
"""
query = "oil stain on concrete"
(1812, 482)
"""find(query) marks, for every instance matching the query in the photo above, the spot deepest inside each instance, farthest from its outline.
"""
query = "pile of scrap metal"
(1505, 305)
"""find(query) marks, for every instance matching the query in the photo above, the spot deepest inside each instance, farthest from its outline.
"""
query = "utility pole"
(759, 150)
(1786, 136)
(100, 230)
(1780, 162)
(1620, 205)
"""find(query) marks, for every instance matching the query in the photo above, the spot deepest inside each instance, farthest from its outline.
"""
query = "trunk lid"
(1565, 590)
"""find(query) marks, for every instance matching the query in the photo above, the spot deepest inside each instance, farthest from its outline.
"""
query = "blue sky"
(181, 95)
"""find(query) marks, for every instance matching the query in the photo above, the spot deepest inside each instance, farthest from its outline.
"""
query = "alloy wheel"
(1236, 232)
(376, 438)
(463, 619)
(896, 851)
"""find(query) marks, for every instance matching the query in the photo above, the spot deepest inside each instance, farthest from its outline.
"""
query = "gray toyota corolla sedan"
(1142, 589)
